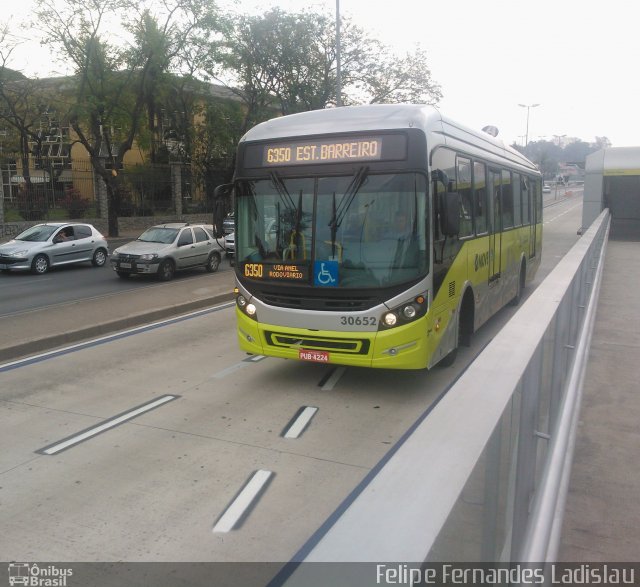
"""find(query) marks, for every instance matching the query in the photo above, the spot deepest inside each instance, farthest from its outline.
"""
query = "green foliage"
(148, 188)
(548, 154)
(74, 203)
(31, 202)
(289, 62)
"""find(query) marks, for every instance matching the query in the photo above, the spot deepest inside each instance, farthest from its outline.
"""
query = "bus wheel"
(465, 328)
(521, 279)
(450, 359)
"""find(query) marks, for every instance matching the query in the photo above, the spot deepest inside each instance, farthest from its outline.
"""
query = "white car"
(230, 244)
(53, 244)
(166, 248)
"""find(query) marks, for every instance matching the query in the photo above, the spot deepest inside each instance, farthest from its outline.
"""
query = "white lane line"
(301, 422)
(111, 423)
(243, 501)
(241, 365)
(333, 380)
(115, 336)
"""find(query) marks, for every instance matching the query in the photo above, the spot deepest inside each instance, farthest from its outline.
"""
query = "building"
(612, 181)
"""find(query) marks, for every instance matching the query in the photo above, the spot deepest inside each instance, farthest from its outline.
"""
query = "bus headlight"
(409, 312)
(405, 313)
(390, 319)
(247, 307)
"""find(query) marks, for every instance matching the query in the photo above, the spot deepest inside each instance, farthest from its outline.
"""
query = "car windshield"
(371, 228)
(39, 233)
(159, 234)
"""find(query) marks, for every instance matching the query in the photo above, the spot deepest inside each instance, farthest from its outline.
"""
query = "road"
(22, 291)
(158, 486)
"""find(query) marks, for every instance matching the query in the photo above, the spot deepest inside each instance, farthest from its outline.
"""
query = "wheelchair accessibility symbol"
(325, 273)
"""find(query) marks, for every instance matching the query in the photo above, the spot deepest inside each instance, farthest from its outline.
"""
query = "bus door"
(495, 236)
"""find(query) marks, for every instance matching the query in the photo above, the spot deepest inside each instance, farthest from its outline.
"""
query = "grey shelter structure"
(612, 181)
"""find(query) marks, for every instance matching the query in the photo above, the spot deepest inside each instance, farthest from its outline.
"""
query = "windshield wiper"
(282, 190)
(338, 214)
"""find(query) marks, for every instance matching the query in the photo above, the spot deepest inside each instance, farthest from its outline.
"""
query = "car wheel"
(40, 264)
(213, 262)
(123, 274)
(166, 270)
(99, 258)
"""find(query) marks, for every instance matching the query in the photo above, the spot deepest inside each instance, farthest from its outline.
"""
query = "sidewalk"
(602, 515)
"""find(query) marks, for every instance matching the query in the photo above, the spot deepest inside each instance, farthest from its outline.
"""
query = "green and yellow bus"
(378, 236)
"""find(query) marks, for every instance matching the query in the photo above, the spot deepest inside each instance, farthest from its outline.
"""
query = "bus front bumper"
(404, 347)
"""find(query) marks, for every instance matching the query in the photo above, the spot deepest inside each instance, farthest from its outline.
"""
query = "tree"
(284, 62)
(392, 80)
(117, 85)
(18, 109)
(602, 143)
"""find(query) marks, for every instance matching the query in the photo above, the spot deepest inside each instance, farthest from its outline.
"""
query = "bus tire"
(450, 359)
(521, 281)
(465, 328)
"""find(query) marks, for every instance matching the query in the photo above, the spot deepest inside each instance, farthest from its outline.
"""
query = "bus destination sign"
(277, 271)
(342, 149)
(324, 151)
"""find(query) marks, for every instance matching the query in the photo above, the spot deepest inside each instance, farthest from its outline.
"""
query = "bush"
(74, 203)
(31, 202)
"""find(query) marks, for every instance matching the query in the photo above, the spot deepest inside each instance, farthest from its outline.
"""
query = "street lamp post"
(559, 141)
(528, 107)
(338, 72)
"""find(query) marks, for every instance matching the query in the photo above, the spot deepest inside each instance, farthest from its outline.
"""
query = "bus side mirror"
(220, 194)
(223, 190)
(450, 217)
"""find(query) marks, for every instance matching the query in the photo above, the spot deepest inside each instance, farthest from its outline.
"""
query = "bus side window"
(517, 202)
(507, 200)
(480, 207)
(526, 201)
(466, 200)
(443, 180)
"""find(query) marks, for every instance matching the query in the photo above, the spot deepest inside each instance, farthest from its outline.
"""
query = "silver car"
(166, 248)
(53, 244)
(230, 244)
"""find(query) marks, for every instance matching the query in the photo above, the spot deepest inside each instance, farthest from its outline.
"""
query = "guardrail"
(482, 477)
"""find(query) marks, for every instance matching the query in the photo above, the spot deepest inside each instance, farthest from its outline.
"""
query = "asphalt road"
(22, 291)
(160, 485)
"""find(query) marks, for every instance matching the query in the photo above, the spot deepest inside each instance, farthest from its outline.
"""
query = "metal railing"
(483, 476)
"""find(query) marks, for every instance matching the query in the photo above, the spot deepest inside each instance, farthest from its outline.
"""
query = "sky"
(577, 59)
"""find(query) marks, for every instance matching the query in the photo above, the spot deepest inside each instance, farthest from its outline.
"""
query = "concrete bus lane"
(205, 474)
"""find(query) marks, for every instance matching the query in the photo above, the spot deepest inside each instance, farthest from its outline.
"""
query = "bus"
(378, 236)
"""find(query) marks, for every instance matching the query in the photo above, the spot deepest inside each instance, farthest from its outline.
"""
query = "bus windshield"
(369, 230)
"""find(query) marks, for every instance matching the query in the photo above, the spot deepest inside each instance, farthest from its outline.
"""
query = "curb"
(51, 342)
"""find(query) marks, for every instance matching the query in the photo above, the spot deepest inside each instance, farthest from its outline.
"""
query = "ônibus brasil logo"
(38, 576)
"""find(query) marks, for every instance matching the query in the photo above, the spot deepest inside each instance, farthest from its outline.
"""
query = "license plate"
(315, 356)
(125, 265)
